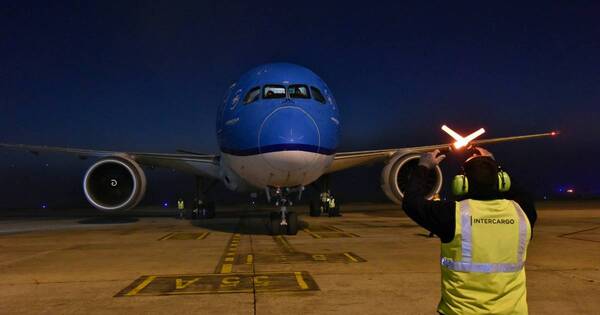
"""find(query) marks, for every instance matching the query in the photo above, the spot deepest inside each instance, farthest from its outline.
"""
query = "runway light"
(460, 140)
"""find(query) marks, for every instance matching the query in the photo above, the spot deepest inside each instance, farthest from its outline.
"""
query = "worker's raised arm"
(436, 216)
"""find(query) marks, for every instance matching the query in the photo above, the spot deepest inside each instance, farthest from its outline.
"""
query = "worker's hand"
(431, 159)
(479, 151)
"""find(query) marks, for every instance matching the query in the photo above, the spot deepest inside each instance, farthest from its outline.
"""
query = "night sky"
(148, 76)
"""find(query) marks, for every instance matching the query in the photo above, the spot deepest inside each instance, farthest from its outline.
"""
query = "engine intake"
(394, 176)
(114, 183)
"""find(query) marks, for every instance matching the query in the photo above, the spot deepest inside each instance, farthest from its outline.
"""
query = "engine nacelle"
(114, 183)
(394, 176)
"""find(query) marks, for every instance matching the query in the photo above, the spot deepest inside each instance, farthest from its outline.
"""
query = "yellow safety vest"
(483, 266)
(180, 205)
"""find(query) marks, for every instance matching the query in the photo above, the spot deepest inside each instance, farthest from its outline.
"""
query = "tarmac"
(372, 260)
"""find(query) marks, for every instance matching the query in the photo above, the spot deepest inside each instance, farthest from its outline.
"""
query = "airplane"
(278, 130)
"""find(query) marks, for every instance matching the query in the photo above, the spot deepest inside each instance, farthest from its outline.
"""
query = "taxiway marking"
(220, 283)
(225, 265)
(141, 286)
(177, 236)
(300, 280)
(328, 231)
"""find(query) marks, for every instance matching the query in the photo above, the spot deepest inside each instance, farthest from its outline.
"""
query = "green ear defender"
(503, 181)
(460, 183)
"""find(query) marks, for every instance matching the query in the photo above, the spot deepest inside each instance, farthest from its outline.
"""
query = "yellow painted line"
(141, 286)
(300, 280)
(226, 268)
(284, 242)
(166, 237)
(228, 258)
(202, 236)
(351, 257)
(312, 234)
(331, 227)
(249, 259)
(231, 254)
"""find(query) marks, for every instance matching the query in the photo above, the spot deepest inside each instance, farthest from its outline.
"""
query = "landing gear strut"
(203, 209)
(283, 221)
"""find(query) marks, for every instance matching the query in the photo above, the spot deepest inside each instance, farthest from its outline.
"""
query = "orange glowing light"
(460, 140)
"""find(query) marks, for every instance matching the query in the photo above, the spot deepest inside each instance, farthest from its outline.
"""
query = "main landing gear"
(283, 221)
(203, 209)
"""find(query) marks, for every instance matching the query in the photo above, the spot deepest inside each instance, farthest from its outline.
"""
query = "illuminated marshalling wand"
(461, 142)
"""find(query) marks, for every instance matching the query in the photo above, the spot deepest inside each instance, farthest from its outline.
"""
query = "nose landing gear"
(283, 221)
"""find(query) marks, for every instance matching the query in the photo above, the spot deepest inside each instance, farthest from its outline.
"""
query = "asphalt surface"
(373, 260)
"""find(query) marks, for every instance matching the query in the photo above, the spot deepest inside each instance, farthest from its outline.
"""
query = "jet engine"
(114, 183)
(394, 177)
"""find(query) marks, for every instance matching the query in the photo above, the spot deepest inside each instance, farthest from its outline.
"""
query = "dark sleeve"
(524, 199)
(435, 216)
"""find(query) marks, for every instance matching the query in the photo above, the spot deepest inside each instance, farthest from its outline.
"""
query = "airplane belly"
(279, 169)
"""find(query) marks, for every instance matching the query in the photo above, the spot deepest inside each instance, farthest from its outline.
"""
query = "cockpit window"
(274, 91)
(298, 91)
(252, 95)
(316, 93)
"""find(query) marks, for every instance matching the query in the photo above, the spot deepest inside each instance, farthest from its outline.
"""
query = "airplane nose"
(288, 139)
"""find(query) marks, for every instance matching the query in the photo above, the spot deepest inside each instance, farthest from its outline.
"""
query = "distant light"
(545, 197)
(44, 206)
(165, 204)
(570, 191)
(553, 133)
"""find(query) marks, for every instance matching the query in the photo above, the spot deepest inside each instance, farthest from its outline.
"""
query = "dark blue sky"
(150, 75)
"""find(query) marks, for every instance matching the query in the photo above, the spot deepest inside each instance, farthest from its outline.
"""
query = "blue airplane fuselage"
(278, 126)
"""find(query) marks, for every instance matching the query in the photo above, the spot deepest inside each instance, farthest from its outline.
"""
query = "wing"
(345, 160)
(199, 164)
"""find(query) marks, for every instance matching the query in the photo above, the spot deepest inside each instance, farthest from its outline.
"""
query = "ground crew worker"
(181, 208)
(325, 201)
(330, 200)
(484, 235)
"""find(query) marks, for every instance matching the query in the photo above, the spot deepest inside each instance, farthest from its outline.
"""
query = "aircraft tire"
(292, 221)
(314, 208)
(275, 224)
(211, 212)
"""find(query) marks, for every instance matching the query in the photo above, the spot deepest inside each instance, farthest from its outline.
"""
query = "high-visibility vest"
(483, 266)
(180, 205)
(324, 197)
(331, 202)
